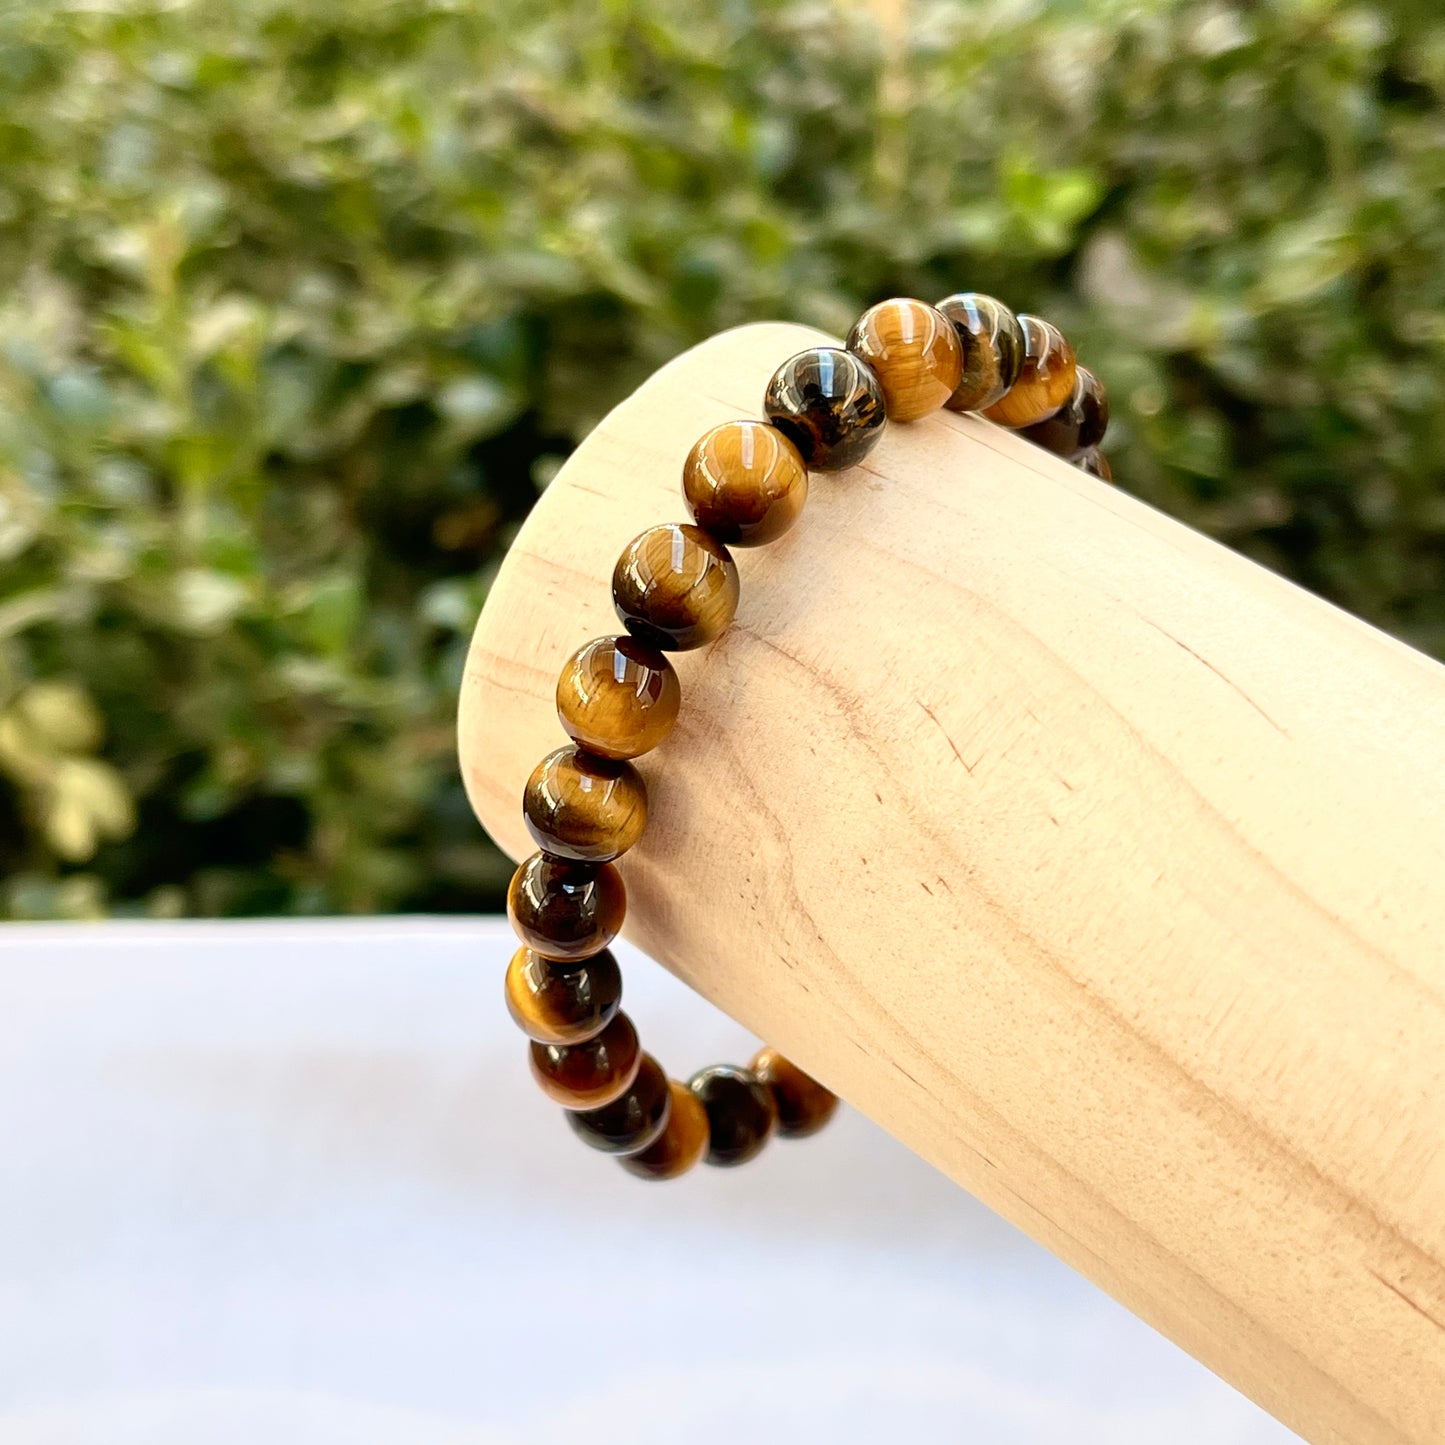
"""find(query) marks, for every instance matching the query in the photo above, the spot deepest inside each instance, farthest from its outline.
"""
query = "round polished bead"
(1079, 425)
(993, 348)
(617, 698)
(675, 588)
(1045, 380)
(745, 483)
(830, 406)
(592, 1074)
(632, 1123)
(741, 1113)
(563, 910)
(681, 1144)
(585, 808)
(914, 352)
(1096, 464)
(562, 1003)
(803, 1104)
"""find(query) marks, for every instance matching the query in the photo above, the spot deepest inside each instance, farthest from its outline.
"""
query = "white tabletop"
(290, 1182)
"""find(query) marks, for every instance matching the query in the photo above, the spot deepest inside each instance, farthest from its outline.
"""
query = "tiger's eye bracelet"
(675, 587)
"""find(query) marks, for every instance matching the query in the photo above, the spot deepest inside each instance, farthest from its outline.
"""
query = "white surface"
(290, 1182)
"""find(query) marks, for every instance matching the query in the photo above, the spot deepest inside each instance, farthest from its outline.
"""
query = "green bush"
(300, 302)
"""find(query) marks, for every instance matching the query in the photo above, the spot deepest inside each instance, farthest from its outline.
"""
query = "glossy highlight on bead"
(592, 1074)
(1045, 380)
(584, 808)
(617, 698)
(566, 911)
(675, 587)
(553, 1002)
(914, 352)
(744, 483)
(992, 342)
(830, 406)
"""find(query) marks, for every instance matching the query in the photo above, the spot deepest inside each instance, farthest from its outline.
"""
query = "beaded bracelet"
(675, 588)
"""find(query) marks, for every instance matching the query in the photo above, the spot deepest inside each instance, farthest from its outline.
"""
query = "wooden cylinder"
(1103, 867)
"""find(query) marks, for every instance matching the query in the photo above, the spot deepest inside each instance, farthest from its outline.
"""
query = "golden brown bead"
(741, 1113)
(562, 1003)
(993, 348)
(914, 352)
(744, 483)
(1096, 464)
(563, 910)
(829, 405)
(588, 809)
(682, 1142)
(592, 1074)
(804, 1105)
(675, 588)
(617, 698)
(1046, 378)
(1079, 425)
(632, 1123)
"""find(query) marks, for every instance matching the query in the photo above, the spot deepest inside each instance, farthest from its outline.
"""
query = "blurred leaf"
(62, 715)
(86, 803)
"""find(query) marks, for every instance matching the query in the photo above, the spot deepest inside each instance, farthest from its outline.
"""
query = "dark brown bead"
(681, 1144)
(741, 1113)
(803, 1104)
(617, 698)
(632, 1123)
(562, 1003)
(1045, 380)
(1078, 425)
(830, 406)
(585, 808)
(744, 483)
(675, 587)
(914, 352)
(565, 910)
(993, 348)
(592, 1074)
(1096, 464)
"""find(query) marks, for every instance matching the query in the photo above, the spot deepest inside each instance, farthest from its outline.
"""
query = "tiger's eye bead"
(588, 809)
(744, 483)
(830, 406)
(1096, 464)
(1045, 380)
(630, 1124)
(803, 1104)
(913, 351)
(562, 1003)
(592, 1074)
(681, 1144)
(993, 348)
(1078, 425)
(741, 1113)
(617, 698)
(675, 588)
(566, 911)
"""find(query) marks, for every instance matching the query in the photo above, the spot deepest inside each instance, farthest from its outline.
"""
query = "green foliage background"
(300, 302)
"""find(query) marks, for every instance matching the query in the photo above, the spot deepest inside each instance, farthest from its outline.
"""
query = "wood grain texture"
(1100, 865)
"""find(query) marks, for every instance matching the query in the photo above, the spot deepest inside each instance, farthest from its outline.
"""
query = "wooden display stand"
(1098, 864)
